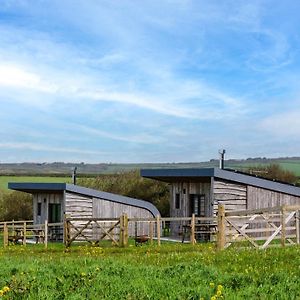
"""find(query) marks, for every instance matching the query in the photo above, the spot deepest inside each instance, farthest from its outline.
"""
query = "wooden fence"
(118, 230)
(22, 232)
(259, 228)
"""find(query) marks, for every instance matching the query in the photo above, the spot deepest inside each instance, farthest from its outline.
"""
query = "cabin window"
(177, 201)
(198, 205)
(39, 208)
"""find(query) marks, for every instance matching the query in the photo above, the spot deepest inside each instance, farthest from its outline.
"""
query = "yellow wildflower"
(213, 298)
(6, 289)
(219, 293)
(212, 285)
(220, 287)
(1, 293)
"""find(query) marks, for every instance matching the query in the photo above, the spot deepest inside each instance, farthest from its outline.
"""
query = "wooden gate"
(260, 228)
(94, 230)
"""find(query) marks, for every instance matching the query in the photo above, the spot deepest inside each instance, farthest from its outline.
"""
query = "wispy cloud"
(170, 77)
(283, 125)
(46, 148)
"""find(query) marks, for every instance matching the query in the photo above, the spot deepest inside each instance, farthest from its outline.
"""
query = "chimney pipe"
(222, 154)
(74, 175)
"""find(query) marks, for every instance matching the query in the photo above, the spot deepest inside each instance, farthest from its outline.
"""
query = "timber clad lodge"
(199, 191)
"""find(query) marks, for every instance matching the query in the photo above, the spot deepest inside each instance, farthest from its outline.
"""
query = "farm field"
(173, 271)
(5, 179)
(290, 165)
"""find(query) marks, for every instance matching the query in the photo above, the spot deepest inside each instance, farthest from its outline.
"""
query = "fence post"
(283, 225)
(5, 235)
(151, 232)
(46, 234)
(123, 231)
(24, 233)
(297, 215)
(158, 229)
(192, 237)
(221, 227)
(67, 233)
(125, 236)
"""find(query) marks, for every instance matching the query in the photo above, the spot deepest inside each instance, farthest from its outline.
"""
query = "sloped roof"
(32, 188)
(171, 175)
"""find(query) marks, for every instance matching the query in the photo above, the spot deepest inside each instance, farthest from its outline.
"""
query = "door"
(198, 205)
(54, 213)
(54, 216)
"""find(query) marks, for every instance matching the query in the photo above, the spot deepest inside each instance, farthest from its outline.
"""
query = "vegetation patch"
(172, 271)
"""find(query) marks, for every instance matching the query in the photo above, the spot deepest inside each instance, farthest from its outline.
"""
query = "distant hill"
(61, 168)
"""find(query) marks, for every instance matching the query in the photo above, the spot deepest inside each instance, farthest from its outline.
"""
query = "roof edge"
(114, 198)
(31, 187)
(165, 173)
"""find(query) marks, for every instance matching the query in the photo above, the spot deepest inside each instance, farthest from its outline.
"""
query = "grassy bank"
(147, 272)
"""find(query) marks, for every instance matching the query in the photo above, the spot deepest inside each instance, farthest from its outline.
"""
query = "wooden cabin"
(199, 191)
(52, 201)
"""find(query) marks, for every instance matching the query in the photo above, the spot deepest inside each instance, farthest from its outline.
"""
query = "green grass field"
(293, 166)
(173, 271)
(5, 179)
(289, 165)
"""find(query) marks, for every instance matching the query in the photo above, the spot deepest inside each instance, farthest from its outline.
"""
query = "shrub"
(15, 206)
(274, 171)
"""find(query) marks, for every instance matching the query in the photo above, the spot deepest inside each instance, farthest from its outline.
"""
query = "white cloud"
(17, 77)
(46, 148)
(142, 138)
(284, 125)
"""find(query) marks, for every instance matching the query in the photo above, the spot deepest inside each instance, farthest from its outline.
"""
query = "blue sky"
(148, 81)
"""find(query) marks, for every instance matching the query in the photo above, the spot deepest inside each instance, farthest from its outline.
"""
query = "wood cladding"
(232, 195)
(261, 198)
(78, 206)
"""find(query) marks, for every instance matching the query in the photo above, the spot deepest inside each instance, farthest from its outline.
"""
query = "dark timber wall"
(185, 189)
